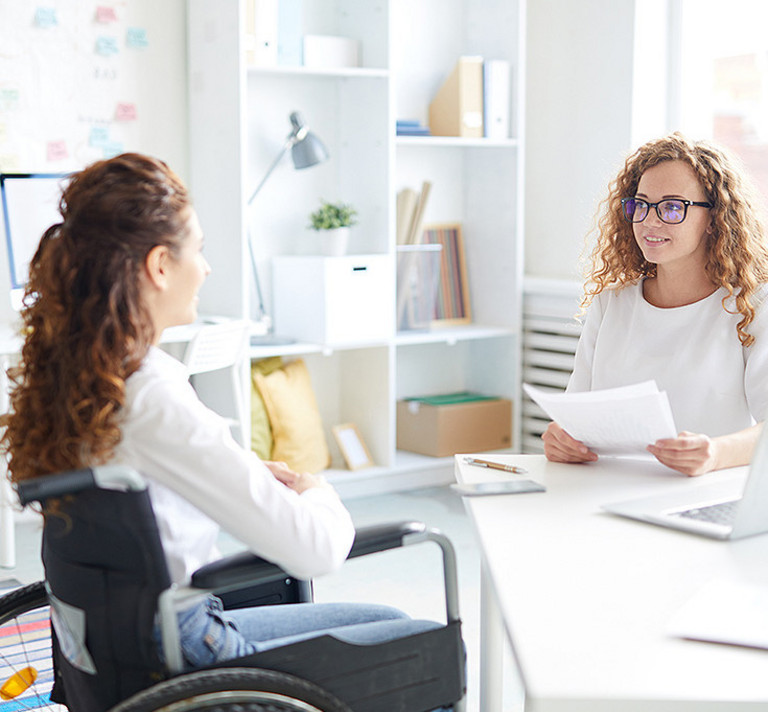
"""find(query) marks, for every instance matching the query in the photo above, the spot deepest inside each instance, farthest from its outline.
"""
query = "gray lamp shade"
(309, 152)
(307, 149)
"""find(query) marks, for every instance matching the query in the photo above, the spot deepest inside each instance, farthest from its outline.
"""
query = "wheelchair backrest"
(105, 568)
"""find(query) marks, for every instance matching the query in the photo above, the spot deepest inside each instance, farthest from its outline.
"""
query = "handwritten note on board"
(136, 38)
(125, 112)
(45, 17)
(105, 14)
(106, 46)
(56, 151)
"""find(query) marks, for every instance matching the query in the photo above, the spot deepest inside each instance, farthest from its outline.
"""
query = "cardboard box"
(447, 425)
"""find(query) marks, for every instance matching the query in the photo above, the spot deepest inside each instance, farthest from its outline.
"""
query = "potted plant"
(332, 221)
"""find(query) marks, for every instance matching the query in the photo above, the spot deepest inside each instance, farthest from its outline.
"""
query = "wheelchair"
(107, 585)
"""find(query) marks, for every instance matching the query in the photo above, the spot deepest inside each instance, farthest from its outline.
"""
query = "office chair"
(222, 347)
(106, 580)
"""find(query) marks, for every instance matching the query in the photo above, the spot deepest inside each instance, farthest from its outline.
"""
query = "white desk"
(585, 597)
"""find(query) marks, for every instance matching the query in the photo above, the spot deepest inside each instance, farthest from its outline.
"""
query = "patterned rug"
(26, 642)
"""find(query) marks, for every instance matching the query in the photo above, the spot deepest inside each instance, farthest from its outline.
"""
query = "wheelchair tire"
(233, 690)
(22, 600)
(24, 630)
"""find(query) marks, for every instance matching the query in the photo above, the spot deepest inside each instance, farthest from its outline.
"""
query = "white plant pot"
(333, 243)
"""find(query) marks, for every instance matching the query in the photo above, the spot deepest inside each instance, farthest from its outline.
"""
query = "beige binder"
(457, 109)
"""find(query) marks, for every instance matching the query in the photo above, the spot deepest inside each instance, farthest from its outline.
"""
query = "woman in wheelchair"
(125, 262)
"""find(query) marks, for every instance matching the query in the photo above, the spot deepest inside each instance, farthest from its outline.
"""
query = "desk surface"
(586, 597)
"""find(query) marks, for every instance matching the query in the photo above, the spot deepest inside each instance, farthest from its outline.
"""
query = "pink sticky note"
(56, 151)
(125, 112)
(105, 14)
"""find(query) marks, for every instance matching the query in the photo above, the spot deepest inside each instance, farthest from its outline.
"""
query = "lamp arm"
(289, 142)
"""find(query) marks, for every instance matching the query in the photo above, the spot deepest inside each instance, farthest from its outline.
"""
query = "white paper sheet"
(725, 612)
(617, 421)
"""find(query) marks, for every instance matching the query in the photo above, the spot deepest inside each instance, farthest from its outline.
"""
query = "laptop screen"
(30, 204)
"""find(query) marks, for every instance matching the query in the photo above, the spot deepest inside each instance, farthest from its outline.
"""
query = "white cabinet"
(238, 124)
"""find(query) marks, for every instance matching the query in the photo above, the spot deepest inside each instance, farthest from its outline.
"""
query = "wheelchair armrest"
(235, 570)
(245, 567)
(380, 537)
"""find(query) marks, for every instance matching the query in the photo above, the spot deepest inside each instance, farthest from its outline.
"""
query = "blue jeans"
(209, 634)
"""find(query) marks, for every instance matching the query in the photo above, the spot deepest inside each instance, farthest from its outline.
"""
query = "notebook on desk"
(720, 511)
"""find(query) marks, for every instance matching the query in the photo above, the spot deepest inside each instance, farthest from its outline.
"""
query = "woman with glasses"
(676, 293)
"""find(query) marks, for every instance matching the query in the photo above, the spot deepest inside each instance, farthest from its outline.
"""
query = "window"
(721, 51)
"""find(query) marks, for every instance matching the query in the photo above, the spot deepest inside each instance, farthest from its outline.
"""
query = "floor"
(409, 578)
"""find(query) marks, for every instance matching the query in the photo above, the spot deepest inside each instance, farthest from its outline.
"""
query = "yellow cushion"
(261, 431)
(297, 429)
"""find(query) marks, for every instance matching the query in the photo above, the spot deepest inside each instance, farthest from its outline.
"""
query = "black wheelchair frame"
(413, 674)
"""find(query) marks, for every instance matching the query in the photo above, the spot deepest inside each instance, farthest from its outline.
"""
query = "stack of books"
(411, 127)
(410, 213)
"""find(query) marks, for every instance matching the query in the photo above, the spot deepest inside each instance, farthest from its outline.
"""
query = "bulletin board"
(70, 76)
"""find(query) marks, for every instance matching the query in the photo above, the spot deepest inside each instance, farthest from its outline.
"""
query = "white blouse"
(200, 479)
(714, 384)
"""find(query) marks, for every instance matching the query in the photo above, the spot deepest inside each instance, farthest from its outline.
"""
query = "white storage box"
(334, 300)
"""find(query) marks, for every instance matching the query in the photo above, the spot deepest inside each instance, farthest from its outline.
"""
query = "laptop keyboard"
(720, 513)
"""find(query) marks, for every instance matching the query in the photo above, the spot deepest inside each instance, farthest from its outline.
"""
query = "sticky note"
(9, 99)
(125, 112)
(136, 37)
(112, 148)
(56, 150)
(45, 17)
(106, 46)
(98, 137)
(105, 14)
(9, 163)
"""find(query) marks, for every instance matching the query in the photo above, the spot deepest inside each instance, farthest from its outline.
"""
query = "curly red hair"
(86, 327)
(737, 250)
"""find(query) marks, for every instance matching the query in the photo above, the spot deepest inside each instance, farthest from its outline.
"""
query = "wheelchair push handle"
(38, 489)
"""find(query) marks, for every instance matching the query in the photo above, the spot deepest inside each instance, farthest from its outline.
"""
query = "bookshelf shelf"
(455, 141)
(238, 124)
(452, 335)
(344, 73)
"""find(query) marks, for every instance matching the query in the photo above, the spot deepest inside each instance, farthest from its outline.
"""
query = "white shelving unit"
(238, 123)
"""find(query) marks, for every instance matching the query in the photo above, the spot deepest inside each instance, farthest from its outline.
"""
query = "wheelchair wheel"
(233, 690)
(26, 666)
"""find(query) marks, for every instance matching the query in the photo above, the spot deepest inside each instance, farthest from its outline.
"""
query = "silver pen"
(495, 465)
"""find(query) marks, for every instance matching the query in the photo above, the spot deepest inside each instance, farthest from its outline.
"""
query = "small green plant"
(330, 216)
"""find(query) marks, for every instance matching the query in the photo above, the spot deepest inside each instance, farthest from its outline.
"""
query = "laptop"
(724, 510)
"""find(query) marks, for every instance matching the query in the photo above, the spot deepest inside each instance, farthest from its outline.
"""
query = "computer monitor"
(30, 203)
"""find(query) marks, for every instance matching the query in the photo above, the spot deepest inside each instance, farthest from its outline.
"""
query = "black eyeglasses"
(669, 211)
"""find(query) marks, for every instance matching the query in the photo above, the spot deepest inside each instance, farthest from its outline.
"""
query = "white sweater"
(200, 479)
(715, 385)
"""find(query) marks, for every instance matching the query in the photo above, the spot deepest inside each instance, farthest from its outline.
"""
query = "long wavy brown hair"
(86, 327)
(737, 250)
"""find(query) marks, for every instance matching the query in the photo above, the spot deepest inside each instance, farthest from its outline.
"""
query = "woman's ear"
(156, 266)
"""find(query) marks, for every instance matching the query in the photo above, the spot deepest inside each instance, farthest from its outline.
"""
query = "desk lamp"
(306, 150)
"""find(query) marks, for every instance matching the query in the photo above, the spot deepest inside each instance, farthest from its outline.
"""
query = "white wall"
(578, 123)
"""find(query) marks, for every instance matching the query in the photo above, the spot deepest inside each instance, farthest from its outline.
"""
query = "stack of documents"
(616, 421)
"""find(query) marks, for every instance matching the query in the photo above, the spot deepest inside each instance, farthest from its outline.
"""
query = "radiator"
(550, 334)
